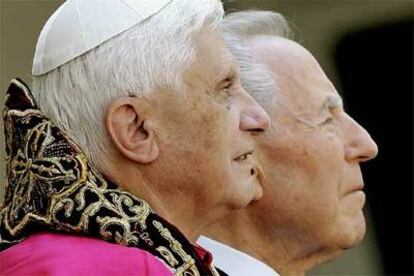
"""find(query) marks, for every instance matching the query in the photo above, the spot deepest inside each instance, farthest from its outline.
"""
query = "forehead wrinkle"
(212, 64)
(209, 76)
(298, 116)
(330, 102)
(229, 66)
(299, 72)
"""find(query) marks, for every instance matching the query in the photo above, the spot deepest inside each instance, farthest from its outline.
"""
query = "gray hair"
(152, 54)
(255, 77)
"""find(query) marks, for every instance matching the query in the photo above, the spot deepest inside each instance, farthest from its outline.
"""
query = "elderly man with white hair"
(138, 133)
(312, 205)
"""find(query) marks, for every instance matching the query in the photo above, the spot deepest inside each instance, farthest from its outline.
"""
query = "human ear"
(128, 126)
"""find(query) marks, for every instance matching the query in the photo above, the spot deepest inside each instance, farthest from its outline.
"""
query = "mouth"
(243, 157)
(356, 188)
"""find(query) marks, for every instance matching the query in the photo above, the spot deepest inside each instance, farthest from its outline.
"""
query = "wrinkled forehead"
(212, 60)
(301, 82)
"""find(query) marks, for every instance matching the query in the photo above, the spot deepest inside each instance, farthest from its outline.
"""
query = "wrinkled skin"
(312, 204)
(193, 176)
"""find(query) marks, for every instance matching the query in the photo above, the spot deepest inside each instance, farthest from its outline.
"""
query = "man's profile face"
(205, 130)
(311, 155)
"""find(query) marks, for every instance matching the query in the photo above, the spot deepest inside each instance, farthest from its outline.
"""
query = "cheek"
(215, 130)
(206, 121)
(305, 178)
(208, 142)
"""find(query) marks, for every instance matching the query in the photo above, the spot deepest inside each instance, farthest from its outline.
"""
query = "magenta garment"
(64, 254)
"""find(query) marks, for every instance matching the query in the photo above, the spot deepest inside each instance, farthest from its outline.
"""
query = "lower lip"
(358, 193)
(358, 190)
(254, 180)
(249, 171)
(354, 200)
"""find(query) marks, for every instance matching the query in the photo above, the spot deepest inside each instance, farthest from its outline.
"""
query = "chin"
(360, 233)
(243, 198)
(244, 192)
(355, 232)
(241, 202)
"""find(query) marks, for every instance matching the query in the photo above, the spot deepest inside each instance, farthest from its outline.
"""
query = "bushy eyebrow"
(332, 101)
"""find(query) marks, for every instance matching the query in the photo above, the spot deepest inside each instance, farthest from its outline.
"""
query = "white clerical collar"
(234, 262)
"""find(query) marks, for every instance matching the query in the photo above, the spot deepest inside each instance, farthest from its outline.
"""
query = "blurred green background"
(318, 25)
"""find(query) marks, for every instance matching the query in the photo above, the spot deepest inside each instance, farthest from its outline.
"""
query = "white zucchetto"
(78, 26)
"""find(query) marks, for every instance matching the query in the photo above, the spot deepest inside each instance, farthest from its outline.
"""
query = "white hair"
(255, 77)
(151, 55)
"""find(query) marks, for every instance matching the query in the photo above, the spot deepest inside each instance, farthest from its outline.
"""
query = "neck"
(171, 203)
(283, 252)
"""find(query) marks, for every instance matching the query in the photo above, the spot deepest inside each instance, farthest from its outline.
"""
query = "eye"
(328, 117)
(227, 85)
(327, 121)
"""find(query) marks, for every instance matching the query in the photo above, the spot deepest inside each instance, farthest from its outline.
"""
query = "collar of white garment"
(234, 262)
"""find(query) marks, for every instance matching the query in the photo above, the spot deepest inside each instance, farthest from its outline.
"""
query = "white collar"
(234, 262)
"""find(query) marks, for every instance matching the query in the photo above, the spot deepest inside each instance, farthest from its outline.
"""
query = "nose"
(361, 147)
(253, 117)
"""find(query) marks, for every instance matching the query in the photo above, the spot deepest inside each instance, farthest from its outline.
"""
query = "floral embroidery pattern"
(35, 172)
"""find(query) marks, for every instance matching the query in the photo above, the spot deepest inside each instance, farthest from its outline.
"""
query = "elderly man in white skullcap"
(311, 209)
(138, 135)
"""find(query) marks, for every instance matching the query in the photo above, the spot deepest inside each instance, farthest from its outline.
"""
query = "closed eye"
(227, 84)
(327, 121)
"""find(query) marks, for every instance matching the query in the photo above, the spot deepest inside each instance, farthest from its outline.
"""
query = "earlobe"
(130, 130)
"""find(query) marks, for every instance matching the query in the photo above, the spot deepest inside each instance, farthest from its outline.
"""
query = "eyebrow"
(332, 101)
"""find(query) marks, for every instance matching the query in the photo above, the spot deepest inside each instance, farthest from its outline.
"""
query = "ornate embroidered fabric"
(52, 187)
